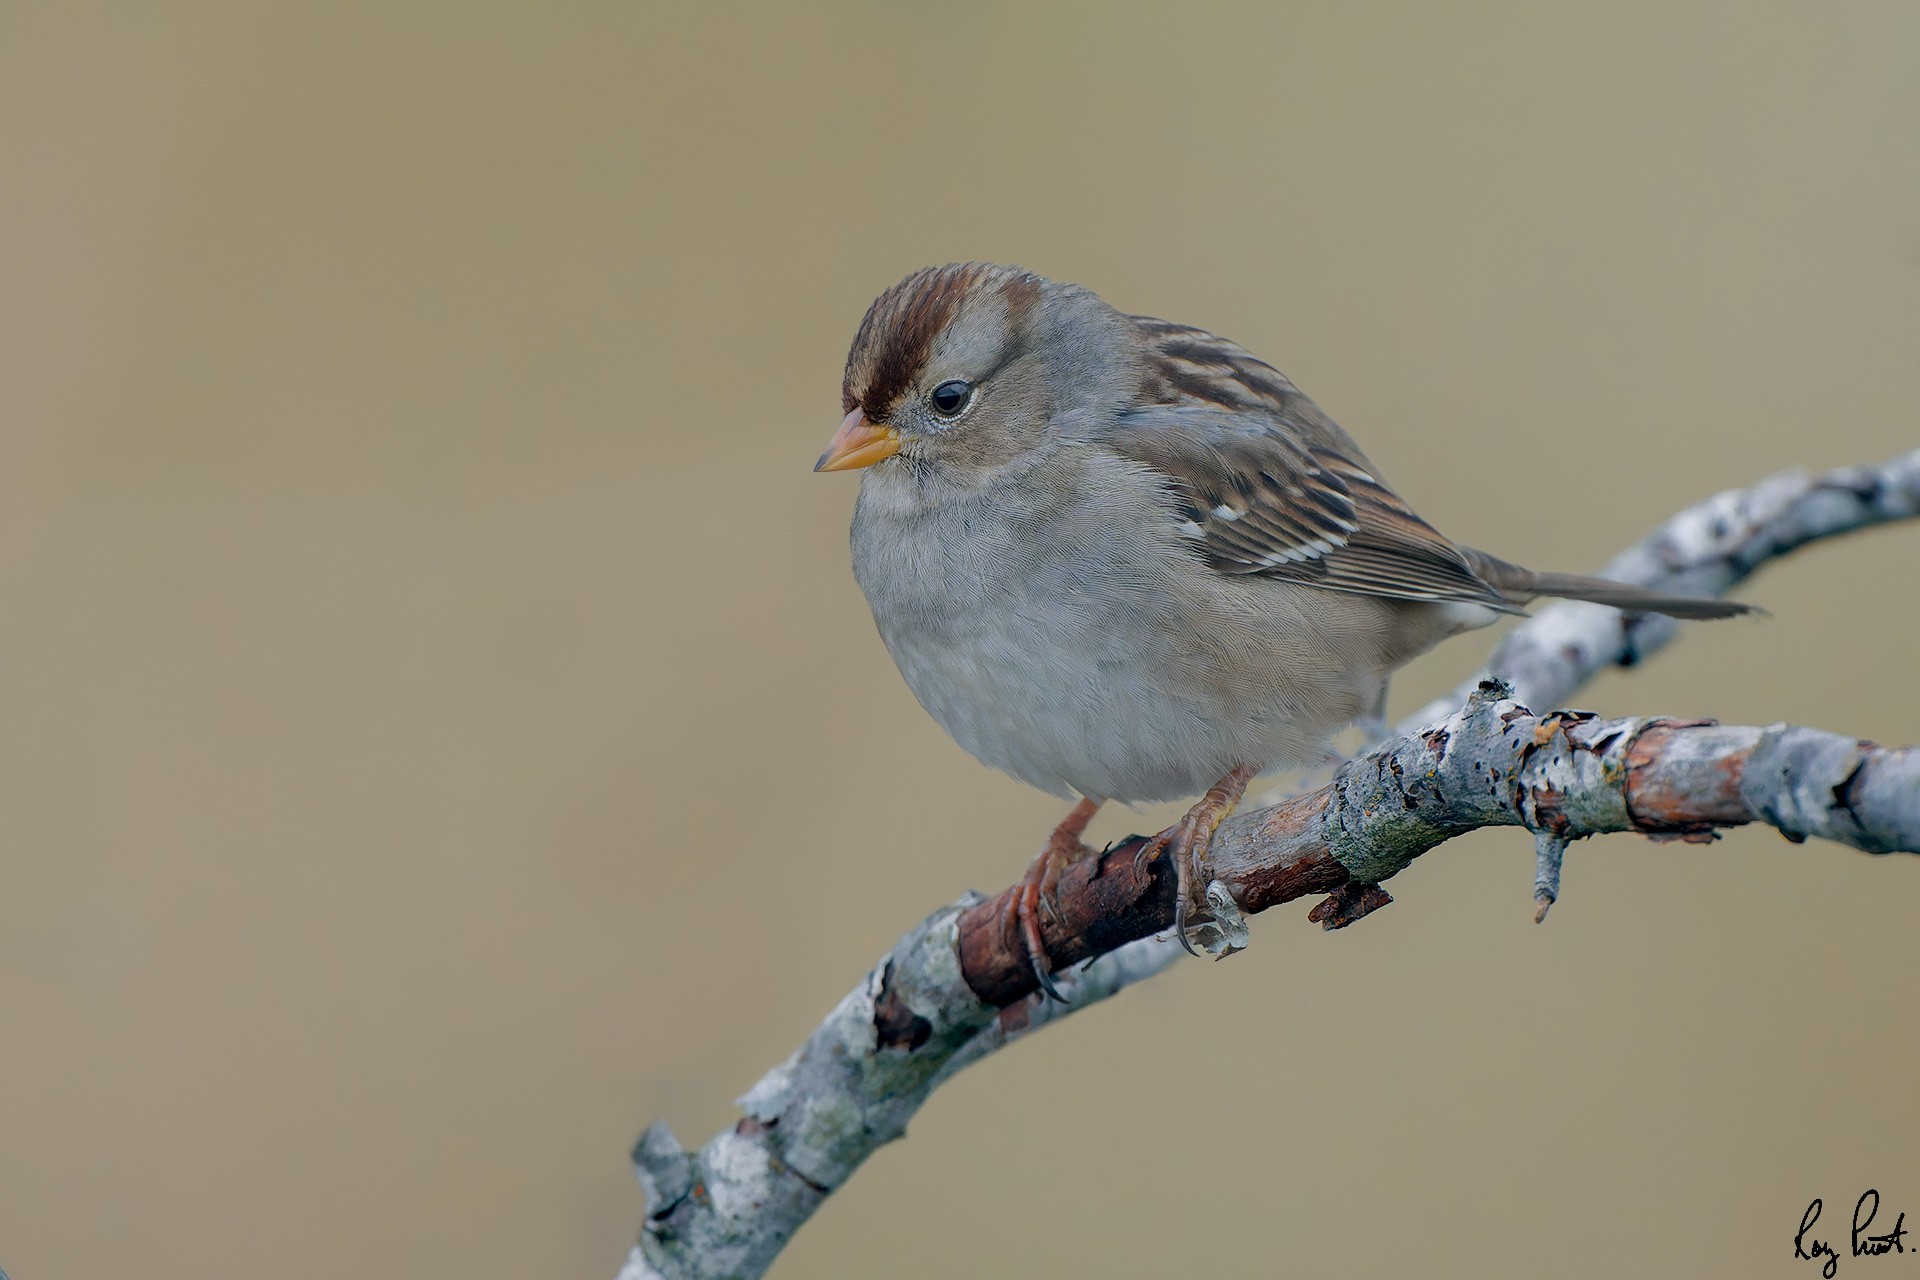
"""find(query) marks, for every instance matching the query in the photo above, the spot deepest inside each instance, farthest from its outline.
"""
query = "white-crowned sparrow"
(1123, 559)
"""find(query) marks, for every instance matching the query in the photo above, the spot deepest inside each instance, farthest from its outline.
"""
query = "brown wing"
(1266, 484)
(1191, 368)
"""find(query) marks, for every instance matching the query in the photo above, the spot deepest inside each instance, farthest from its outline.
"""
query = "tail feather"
(1521, 585)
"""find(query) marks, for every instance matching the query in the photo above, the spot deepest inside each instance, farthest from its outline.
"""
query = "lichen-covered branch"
(957, 987)
(959, 984)
(1566, 775)
(728, 1209)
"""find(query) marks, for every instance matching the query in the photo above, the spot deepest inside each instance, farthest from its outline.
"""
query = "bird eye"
(950, 399)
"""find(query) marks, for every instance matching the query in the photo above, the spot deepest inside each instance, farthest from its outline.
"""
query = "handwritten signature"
(1864, 1245)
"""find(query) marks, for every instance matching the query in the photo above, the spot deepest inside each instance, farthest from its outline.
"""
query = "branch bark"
(956, 988)
(1564, 775)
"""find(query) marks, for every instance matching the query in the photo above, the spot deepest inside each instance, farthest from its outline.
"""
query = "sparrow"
(1124, 559)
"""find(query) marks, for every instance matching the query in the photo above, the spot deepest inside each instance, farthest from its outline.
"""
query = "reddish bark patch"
(1348, 903)
(1102, 902)
(1670, 790)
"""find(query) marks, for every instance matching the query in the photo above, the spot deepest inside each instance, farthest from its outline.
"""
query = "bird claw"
(1035, 893)
(1167, 842)
(1225, 931)
(1028, 897)
(1220, 929)
(1050, 903)
(1185, 865)
(1043, 974)
(1180, 925)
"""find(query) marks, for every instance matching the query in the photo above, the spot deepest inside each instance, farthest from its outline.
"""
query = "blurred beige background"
(437, 720)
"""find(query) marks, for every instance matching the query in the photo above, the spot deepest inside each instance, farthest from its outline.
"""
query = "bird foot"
(1222, 930)
(1021, 915)
(1195, 890)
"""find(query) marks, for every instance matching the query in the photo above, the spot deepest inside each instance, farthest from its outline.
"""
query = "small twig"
(1549, 849)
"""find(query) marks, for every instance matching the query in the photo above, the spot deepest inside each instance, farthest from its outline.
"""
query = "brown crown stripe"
(893, 343)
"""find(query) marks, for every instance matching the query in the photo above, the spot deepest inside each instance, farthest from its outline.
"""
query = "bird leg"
(1037, 886)
(1187, 840)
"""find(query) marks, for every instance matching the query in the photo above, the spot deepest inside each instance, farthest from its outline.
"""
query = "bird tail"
(1521, 585)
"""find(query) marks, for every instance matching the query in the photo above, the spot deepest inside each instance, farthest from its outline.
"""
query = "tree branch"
(1565, 775)
(956, 988)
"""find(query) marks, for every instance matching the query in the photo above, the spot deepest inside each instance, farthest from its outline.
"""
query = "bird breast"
(1064, 633)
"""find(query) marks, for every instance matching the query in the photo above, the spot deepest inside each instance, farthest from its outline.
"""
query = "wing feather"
(1266, 484)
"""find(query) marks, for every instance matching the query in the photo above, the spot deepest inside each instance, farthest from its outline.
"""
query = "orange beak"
(858, 443)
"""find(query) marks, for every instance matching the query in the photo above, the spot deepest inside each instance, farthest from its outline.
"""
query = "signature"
(1862, 1243)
